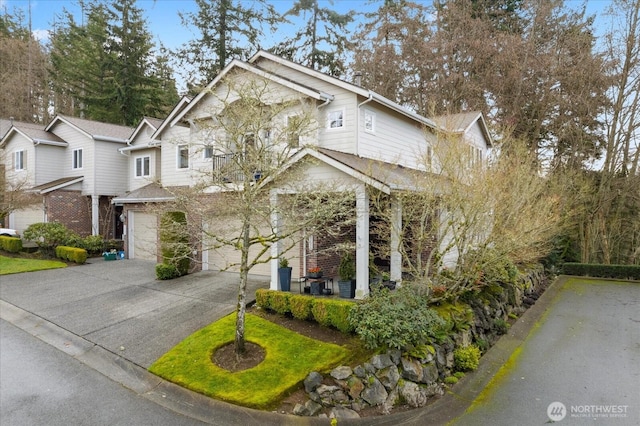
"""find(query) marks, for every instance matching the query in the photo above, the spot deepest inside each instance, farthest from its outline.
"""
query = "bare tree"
(253, 196)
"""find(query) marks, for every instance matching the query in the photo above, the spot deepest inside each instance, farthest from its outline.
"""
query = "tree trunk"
(242, 291)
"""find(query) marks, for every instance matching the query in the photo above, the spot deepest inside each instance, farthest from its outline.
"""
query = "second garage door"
(143, 236)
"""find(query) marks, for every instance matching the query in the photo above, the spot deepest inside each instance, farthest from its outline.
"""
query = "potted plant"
(284, 273)
(346, 273)
(315, 272)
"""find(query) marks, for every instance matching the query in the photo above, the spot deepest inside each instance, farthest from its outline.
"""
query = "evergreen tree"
(322, 41)
(227, 29)
(106, 70)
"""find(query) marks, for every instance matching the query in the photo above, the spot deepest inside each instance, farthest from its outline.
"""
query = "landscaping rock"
(429, 373)
(360, 372)
(343, 413)
(355, 387)
(381, 361)
(411, 369)
(413, 394)
(369, 368)
(313, 380)
(395, 355)
(391, 401)
(341, 373)
(389, 377)
(310, 408)
(374, 393)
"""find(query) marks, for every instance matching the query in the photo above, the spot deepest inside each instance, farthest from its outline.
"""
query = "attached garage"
(143, 236)
(21, 219)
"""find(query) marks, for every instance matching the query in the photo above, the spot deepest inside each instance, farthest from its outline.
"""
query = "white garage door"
(143, 236)
(21, 219)
(227, 257)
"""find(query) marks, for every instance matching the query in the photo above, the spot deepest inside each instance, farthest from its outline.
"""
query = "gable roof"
(147, 194)
(95, 130)
(307, 91)
(57, 184)
(182, 104)
(369, 94)
(386, 177)
(33, 132)
(461, 123)
(153, 123)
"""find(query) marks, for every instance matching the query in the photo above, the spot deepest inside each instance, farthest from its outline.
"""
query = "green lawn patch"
(289, 358)
(11, 265)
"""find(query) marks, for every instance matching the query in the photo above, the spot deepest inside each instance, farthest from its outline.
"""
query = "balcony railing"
(226, 169)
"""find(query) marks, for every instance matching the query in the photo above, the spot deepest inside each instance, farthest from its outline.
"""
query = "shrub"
(300, 306)
(262, 297)
(450, 380)
(93, 244)
(174, 241)
(72, 254)
(166, 271)
(11, 244)
(398, 319)
(338, 315)
(602, 271)
(49, 235)
(466, 358)
(279, 302)
(501, 326)
(319, 312)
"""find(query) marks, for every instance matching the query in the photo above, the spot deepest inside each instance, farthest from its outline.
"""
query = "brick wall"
(70, 208)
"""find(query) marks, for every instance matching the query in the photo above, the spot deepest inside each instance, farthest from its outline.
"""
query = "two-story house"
(74, 168)
(360, 138)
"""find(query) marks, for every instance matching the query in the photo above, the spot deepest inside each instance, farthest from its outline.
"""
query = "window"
(428, 157)
(336, 119)
(208, 151)
(293, 130)
(183, 157)
(77, 158)
(142, 166)
(369, 121)
(475, 156)
(18, 160)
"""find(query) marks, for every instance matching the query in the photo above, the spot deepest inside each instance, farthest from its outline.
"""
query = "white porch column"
(95, 215)
(362, 242)
(395, 272)
(275, 247)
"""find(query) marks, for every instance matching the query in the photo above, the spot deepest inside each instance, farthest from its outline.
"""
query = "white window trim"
(178, 149)
(21, 166)
(142, 175)
(207, 148)
(341, 111)
(373, 121)
(77, 155)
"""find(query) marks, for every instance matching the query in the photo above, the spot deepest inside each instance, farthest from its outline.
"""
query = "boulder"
(381, 361)
(343, 413)
(313, 380)
(374, 392)
(389, 376)
(413, 394)
(411, 369)
(341, 373)
(429, 373)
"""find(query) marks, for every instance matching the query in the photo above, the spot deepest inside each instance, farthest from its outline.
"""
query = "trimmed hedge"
(167, 271)
(602, 271)
(11, 244)
(72, 254)
(327, 312)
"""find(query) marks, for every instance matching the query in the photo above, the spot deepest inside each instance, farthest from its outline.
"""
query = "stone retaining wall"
(392, 379)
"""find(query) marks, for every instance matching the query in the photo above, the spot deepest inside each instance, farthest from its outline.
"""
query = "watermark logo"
(556, 411)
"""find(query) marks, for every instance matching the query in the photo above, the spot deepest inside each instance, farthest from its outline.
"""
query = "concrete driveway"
(120, 306)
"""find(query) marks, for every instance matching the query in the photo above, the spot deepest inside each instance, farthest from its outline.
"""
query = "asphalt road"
(583, 353)
(43, 386)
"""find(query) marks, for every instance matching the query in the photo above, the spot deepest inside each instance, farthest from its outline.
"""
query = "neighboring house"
(75, 167)
(362, 138)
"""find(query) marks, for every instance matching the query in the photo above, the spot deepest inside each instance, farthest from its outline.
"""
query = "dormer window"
(336, 119)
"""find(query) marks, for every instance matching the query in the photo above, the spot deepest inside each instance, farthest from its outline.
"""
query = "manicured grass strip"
(10, 265)
(289, 358)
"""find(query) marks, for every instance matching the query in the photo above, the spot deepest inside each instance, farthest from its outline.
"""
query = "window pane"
(145, 169)
(138, 167)
(183, 157)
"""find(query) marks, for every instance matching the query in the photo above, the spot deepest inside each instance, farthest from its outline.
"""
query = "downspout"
(366, 101)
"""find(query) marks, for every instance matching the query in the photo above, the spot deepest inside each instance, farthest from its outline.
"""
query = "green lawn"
(11, 265)
(289, 358)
